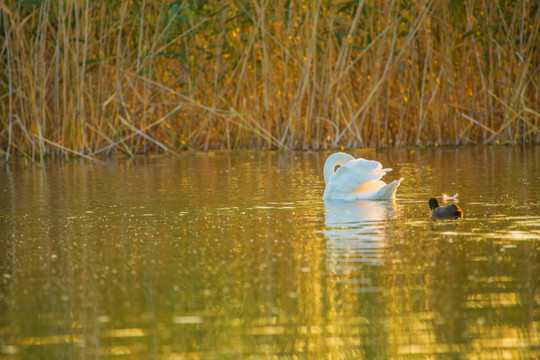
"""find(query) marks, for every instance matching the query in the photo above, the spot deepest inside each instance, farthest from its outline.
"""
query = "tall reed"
(80, 77)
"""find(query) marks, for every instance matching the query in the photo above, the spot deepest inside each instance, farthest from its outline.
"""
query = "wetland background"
(210, 254)
(93, 77)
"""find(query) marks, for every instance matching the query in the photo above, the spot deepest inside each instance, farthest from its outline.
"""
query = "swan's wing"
(348, 179)
(366, 170)
(365, 166)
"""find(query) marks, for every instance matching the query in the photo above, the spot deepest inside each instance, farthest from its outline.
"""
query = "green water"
(236, 256)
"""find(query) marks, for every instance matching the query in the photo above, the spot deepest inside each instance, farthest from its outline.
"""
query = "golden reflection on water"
(355, 231)
(236, 255)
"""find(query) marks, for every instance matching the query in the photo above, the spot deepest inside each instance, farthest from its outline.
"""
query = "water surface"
(235, 255)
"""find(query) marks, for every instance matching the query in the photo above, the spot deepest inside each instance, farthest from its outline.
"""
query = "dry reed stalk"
(91, 78)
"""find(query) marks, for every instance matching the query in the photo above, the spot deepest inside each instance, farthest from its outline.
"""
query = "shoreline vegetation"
(91, 78)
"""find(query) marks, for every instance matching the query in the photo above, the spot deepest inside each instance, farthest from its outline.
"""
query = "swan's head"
(333, 162)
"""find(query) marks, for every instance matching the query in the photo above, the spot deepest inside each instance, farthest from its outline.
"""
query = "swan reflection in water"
(355, 232)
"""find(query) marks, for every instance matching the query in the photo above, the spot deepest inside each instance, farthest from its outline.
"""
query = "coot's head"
(433, 204)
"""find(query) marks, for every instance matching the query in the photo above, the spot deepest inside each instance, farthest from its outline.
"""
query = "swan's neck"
(333, 161)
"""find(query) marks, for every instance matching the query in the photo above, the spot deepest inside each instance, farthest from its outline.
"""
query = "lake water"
(236, 256)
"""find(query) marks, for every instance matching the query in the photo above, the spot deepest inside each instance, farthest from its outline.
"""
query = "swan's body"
(348, 178)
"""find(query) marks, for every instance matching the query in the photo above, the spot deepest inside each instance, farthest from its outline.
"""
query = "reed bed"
(90, 78)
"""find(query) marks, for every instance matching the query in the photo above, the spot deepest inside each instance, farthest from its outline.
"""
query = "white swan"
(356, 179)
